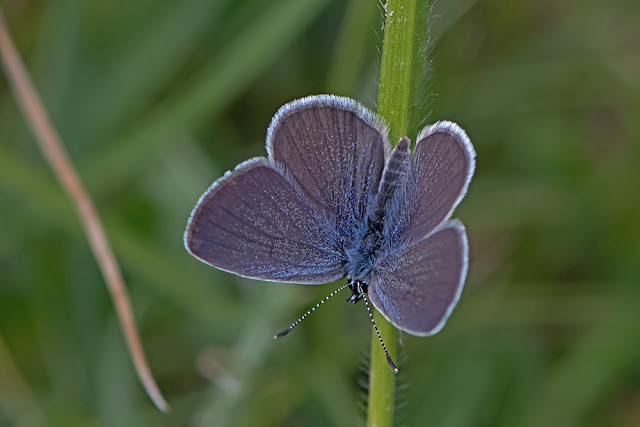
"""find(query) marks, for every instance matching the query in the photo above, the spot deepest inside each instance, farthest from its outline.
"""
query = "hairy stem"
(400, 101)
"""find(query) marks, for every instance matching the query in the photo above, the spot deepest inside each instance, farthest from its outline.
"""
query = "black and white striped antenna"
(359, 290)
(294, 324)
(389, 359)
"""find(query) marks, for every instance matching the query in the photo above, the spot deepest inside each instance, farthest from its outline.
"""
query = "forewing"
(417, 288)
(442, 166)
(256, 223)
(335, 150)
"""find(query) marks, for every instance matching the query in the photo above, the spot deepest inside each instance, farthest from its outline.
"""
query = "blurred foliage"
(156, 99)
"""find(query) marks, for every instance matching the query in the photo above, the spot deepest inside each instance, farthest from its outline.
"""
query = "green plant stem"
(404, 67)
(382, 380)
(401, 102)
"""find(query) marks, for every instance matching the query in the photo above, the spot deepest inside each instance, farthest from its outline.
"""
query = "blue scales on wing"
(442, 166)
(420, 272)
(417, 287)
(335, 150)
(257, 223)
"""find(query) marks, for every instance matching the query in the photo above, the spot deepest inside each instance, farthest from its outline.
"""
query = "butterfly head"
(358, 290)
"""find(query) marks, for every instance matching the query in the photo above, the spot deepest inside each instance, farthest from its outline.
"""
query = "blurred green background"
(157, 99)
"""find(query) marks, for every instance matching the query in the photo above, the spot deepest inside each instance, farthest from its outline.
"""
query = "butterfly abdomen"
(394, 177)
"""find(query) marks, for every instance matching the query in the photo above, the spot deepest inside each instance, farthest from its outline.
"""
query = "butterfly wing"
(421, 273)
(417, 288)
(256, 223)
(335, 149)
(442, 166)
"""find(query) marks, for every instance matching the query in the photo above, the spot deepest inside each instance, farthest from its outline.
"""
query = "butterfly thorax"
(381, 220)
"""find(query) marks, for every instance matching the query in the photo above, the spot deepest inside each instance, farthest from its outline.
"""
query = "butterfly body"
(384, 221)
(332, 200)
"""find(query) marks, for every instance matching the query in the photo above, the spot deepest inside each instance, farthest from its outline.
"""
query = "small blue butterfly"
(332, 200)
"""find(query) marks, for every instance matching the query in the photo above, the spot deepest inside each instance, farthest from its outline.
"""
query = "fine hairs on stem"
(402, 75)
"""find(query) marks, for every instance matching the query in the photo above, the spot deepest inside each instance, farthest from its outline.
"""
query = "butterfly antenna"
(294, 324)
(389, 360)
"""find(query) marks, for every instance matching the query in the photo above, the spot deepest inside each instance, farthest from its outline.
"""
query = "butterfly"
(333, 200)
